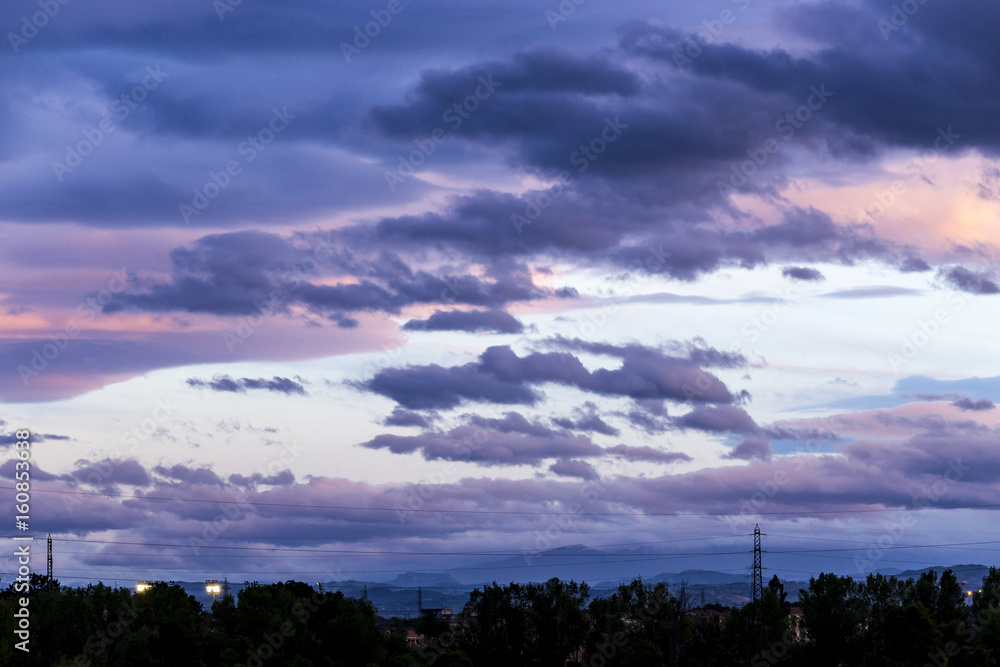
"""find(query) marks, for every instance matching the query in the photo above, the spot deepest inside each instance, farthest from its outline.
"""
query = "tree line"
(881, 622)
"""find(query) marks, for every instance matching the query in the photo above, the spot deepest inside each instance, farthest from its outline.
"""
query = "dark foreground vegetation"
(836, 621)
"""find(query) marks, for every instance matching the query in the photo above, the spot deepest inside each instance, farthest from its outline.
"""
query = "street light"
(213, 587)
(143, 586)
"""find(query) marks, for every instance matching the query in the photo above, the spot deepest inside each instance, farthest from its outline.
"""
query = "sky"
(419, 285)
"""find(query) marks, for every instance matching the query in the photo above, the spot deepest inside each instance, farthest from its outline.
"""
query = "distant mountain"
(450, 589)
(435, 579)
(970, 573)
(577, 561)
(702, 577)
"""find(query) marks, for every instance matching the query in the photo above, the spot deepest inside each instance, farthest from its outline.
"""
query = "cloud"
(401, 417)
(914, 265)
(226, 383)
(11, 438)
(960, 401)
(488, 447)
(586, 418)
(574, 468)
(643, 453)
(106, 473)
(718, 419)
(752, 448)
(182, 473)
(243, 273)
(965, 280)
(967, 404)
(494, 321)
(282, 478)
(802, 273)
(860, 67)
(871, 292)
(501, 376)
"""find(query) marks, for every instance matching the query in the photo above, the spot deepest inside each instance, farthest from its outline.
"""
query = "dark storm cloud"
(226, 383)
(969, 281)
(245, 272)
(803, 273)
(501, 376)
(495, 321)
(947, 47)
(628, 233)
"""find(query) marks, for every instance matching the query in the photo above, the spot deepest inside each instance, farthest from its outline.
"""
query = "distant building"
(439, 613)
(796, 618)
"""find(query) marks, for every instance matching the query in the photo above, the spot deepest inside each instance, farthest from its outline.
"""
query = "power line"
(502, 512)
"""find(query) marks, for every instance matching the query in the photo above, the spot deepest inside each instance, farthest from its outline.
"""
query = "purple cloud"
(574, 468)
(802, 273)
(500, 376)
(494, 321)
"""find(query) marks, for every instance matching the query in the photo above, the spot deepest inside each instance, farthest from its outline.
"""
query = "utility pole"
(364, 593)
(420, 599)
(49, 568)
(758, 570)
